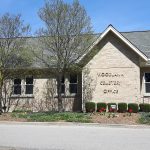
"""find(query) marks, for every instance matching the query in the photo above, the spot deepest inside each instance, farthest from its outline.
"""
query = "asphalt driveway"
(73, 137)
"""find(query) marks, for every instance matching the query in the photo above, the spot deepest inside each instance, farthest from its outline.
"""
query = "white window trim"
(28, 84)
(64, 86)
(14, 85)
(73, 94)
(23, 88)
(62, 94)
(67, 90)
(145, 93)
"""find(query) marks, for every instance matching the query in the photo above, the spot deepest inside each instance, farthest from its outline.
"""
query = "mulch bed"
(8, 117)
(120, 118)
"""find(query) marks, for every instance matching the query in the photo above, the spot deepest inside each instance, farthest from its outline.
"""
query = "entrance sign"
(110, 80)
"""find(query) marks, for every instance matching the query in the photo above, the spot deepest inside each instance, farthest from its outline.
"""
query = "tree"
(64, 37)
(13, 54)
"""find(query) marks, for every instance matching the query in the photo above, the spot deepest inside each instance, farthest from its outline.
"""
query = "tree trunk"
(1, 99)
(1, 90)
(60, 104)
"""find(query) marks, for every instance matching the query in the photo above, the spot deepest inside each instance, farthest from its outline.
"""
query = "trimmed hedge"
(90, 106)
(134, 107)
(144, 107)
(122, 107)
(101, 107)
(109, 104)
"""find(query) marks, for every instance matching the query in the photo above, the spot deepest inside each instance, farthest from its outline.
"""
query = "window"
(63, 85)
(17, 86)
(73, 83)
(147, 82)
(21, 89)
(29, 85)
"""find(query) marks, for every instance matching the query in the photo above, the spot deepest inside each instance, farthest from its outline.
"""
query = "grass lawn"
(104, 118)
(49, 117)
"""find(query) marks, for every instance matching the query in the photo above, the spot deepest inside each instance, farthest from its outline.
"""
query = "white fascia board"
(148, 63)
(111, 28)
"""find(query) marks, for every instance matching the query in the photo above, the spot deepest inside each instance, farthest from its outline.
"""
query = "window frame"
(14, 85)
(63, 84)
(74, 93)
(147, 93)
(25, 85)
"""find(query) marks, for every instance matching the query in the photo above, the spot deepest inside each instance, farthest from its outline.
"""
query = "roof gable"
(120, 36)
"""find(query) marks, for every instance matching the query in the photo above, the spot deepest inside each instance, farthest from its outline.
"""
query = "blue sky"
(125, 15)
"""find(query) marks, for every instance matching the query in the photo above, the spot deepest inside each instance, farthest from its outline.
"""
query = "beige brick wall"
(115, 72)
(44, 96)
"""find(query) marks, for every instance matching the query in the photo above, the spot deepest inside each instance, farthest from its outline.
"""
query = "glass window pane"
(63, 80)
(63, 88)
(29, 89)
(29, 80)
(17, 86)
(147, 87)
(73, 88)
(17, 81)
(73, 78)
(147, 77)
(17, 89)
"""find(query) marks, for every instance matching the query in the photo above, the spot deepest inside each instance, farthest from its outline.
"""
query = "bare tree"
(13, 53)
(64, 38)
(89, 85)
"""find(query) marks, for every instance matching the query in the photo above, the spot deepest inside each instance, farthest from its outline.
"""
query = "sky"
(124, 15)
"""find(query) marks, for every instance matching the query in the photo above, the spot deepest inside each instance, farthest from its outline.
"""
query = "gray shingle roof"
(34, 43)
(140, 39)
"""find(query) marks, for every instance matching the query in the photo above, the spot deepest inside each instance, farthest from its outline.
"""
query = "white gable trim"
(111, 28)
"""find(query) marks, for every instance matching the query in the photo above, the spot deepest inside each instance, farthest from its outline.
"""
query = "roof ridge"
(33, 36)
(135, 31)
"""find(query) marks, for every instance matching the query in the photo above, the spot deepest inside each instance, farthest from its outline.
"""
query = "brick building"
(115, 69)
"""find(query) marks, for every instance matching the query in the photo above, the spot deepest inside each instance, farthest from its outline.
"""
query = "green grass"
(144, 118)
(49, 117)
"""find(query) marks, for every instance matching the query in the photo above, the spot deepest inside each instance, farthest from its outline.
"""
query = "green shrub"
(122, 107)
(144, 107)
(109, 105)
(90, 106)
(133, 107)
(144, 118)
(101, 107)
